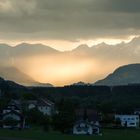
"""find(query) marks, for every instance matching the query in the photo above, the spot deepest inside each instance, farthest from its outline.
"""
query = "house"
(128, 120)
(85, 127)
(137, 111)
(86, 122)
(43, 105)
(82, 127)
(46, 107)
(12, 117)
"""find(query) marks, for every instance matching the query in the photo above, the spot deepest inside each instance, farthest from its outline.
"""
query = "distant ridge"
(124, 75)
(81, 84)
(14, 74)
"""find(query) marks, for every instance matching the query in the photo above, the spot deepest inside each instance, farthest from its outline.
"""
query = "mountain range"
(26, 63)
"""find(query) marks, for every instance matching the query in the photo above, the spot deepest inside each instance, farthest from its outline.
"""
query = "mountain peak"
(135, 41)
(82, 47)
(24, 44)
(25, 49)
(101, 45)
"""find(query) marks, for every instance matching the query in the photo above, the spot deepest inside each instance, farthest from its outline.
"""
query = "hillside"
(128, 74)
(14, 74)
(11, 89)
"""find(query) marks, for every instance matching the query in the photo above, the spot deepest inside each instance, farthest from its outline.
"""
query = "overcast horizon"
(68, 23)
(64, 25)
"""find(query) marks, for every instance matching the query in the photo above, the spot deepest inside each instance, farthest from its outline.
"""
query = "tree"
(118, 122)
(63, 121)
(34, 116)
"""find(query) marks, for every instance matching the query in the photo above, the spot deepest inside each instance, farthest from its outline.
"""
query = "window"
(132, 119)
(124, 119)
(132, 123)
(137, 118)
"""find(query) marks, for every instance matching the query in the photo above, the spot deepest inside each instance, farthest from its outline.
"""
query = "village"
(24, 114)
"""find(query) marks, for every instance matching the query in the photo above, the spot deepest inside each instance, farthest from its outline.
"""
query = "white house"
(43, 105)
(87, 122)
(46, 107)
(85, 128)
(12, 117)
(128, 120)
(82, 127)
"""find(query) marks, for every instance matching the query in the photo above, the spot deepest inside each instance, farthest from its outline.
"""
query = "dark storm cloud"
(68, 19)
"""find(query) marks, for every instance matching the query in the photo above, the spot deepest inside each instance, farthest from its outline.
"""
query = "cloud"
(68, 20)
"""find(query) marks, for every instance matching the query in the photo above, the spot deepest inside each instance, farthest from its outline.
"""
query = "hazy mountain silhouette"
(128, 74)
(130, 50)
(12, 73)
(25, 49)
(95, 62)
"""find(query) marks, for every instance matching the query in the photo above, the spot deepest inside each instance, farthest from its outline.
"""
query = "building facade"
(128, 120)
(12, 117)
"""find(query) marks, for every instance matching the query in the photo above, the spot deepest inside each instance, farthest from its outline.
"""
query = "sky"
(64, 24)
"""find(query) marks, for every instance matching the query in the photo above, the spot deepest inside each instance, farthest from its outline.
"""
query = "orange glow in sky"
(67, 68)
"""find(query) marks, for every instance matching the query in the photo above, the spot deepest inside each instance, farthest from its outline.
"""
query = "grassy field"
(36, 134)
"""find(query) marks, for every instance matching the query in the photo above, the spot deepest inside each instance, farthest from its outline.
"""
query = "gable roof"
(12, 112)
(45, 102)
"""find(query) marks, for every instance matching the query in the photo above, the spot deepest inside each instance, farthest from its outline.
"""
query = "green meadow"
(38, 134)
